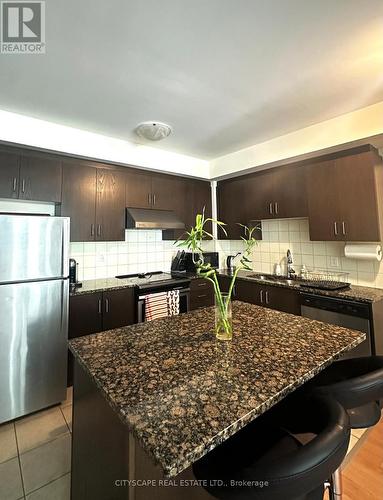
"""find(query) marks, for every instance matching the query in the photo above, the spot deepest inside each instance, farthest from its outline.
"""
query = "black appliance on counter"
(73, 274)
(155, 282)
(341, 312)
(211, 258)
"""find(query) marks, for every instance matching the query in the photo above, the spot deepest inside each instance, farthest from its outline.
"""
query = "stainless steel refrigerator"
(34, 294)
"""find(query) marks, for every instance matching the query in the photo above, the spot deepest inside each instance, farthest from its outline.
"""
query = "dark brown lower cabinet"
(281, 299)
(201, 293)
(96, 312)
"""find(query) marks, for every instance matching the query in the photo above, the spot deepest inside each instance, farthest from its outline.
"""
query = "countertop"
(355, 293)
(181, 392)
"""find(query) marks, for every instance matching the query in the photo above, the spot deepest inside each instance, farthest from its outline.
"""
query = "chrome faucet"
(290, 269)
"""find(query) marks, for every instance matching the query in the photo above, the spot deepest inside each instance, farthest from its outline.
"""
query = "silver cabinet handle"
(14, 184)
(276, 207)
(92, 229)
(99, 306)
(267, 297)
(271, 208)
(23, 186)
(106, 305)
(98, 229)
(343, 227)
(201, 296)
(149, 199)
(261, 296)
(336, 228)
(154, 198)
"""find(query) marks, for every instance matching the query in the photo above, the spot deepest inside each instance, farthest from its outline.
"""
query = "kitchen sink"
(272, 277)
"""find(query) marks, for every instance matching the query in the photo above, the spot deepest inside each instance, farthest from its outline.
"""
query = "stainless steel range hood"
(144, 218)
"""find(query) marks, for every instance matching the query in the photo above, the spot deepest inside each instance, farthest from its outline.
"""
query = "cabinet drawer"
(201, 293)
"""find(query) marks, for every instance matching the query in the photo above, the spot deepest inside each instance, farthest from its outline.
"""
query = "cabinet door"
(282, 299)
(201, 200)
(85, 314)
(250, 292)
(359, 217)
(79, 200)
(9, 174)
(110, 205)
(138, 189)
(290, 199)
(233, 202)
(261, 195)
(323, 199)
(40, 178)
(118, 308)
(170, 193)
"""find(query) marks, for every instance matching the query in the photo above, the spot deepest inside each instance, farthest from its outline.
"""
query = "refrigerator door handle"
(65, 248)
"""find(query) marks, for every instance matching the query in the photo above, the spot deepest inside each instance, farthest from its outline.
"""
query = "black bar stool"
(357, 384)
(266, 461)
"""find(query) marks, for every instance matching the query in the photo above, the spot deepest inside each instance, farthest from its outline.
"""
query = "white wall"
(353, 126)
(47, 135)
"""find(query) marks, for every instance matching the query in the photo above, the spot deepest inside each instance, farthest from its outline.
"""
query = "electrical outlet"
(334, 262)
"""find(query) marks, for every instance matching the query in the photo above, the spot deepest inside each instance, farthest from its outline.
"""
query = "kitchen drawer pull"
(336, 228)
(154, 198)
(99, 306)
(201, 296)
(106, 305)
(92, 229)
(276, 207)
(267, 297)
(201, 284)
(14, 184)
(149, 199)
(98, 229)
(343, 227)
(23, 186)
(261, 296)
(271, 208)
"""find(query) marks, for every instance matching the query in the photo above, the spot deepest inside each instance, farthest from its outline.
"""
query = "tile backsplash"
(141, 251)
(144, 251)
(279, 235)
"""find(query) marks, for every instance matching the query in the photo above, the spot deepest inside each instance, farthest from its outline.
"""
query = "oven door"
(184, 303)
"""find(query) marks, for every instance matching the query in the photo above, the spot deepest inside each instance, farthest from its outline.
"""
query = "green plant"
(193, 239)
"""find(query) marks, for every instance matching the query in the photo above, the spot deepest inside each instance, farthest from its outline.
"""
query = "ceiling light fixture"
(153, 131)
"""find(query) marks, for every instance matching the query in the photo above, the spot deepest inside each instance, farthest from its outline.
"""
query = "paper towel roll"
(363, 252)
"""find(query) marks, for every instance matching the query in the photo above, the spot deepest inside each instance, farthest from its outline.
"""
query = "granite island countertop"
(181, 392)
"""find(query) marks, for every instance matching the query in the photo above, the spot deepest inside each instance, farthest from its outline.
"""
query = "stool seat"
(357, 384)
(266, 461)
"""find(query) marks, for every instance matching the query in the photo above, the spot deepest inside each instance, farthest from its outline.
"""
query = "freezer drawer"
(33, 247)
(33, 346)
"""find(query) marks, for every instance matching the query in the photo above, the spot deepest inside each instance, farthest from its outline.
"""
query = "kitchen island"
(152, 398)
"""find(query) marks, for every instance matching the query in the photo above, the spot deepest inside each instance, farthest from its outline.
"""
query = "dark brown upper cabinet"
(9, 174)
(278, 193)
(138, 189)
(40, 178)
(94, 199)
(110, 205)
(79, 199)
(30, 176)
(235, 198)
(345, 198)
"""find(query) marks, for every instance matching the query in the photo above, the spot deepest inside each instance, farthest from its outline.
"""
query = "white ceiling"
(224, 73)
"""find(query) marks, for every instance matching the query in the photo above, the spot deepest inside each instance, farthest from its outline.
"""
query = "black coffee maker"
(73, 274)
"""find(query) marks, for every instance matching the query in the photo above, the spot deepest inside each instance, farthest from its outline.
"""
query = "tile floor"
(35, 455)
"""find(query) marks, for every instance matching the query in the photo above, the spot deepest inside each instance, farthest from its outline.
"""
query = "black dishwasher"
(349, 314)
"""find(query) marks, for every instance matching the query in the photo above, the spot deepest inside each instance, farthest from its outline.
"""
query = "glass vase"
(223, 317)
